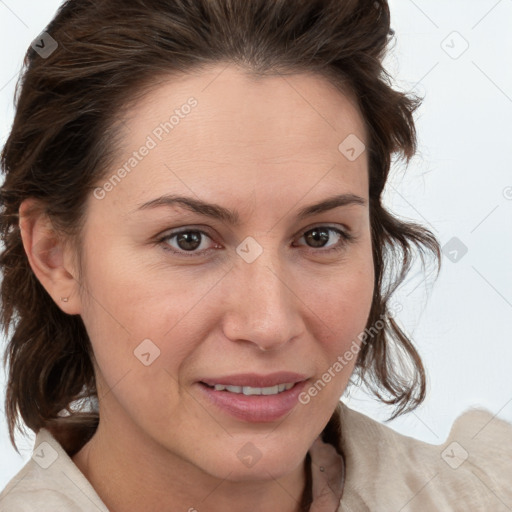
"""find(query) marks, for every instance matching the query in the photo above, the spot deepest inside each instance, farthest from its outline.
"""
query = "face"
(174, 298)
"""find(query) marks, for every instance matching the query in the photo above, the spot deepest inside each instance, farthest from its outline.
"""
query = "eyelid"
(341, 227)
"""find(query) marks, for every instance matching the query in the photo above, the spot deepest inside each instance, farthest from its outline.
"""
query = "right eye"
(187, 241)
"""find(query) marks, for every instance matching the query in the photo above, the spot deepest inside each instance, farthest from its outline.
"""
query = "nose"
(263, 306)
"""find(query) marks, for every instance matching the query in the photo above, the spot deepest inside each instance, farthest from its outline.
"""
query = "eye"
(187, 241)
(319, 236)
(191, 242)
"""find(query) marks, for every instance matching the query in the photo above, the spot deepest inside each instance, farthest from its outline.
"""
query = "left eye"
(188, 241)
(320, 235)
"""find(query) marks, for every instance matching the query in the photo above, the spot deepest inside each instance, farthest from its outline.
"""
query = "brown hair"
(63, 141)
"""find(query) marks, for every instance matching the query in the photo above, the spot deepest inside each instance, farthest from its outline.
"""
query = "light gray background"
(459, 185)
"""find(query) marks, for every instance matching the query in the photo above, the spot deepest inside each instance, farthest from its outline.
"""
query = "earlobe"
(46, 253)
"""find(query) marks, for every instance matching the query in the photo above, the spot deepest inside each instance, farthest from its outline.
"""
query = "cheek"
(342, 312)
(127, 322)
(144, 323)
(343, 301)
(342, 307)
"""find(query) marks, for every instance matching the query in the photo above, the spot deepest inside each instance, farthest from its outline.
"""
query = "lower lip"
(255, 408)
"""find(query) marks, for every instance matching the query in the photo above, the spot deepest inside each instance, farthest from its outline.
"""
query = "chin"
(245, 460)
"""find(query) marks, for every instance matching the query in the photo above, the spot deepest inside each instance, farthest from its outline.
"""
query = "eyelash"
(346, 238)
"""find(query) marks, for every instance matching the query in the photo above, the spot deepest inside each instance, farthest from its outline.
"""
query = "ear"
(49, 256)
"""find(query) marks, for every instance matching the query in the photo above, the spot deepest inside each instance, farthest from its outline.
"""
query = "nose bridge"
(264, 309)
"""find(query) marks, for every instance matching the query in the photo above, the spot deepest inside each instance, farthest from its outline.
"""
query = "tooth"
(271, 390)
(234, 389)
(247, 390)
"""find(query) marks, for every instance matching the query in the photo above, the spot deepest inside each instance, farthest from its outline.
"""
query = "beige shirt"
(385, 471)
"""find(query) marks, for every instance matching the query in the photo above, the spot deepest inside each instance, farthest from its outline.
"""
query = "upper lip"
(256, 381)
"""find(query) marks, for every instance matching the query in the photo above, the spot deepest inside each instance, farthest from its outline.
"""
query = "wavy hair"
(63, 139)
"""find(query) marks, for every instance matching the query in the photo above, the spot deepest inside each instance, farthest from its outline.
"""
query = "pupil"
(319, 235)
(189, 240)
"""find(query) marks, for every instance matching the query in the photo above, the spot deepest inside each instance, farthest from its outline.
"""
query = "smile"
(249, 390)
(254, 404)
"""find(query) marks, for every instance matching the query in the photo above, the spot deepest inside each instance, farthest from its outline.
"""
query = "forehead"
(236, 105)
(222, 128)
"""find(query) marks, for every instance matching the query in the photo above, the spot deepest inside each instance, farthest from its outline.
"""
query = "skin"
(266, 148)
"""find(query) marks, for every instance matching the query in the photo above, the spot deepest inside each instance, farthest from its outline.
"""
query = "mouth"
(250, 391)
(253, 398)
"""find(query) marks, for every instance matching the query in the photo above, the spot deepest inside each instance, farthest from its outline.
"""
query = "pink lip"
(254, 408)
(254, 380)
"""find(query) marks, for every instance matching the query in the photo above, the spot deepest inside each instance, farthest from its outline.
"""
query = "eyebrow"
(232, 217)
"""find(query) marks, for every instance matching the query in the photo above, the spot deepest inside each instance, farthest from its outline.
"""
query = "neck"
(130, 474)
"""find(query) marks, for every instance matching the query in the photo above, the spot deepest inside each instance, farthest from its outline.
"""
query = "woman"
(181, 330)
